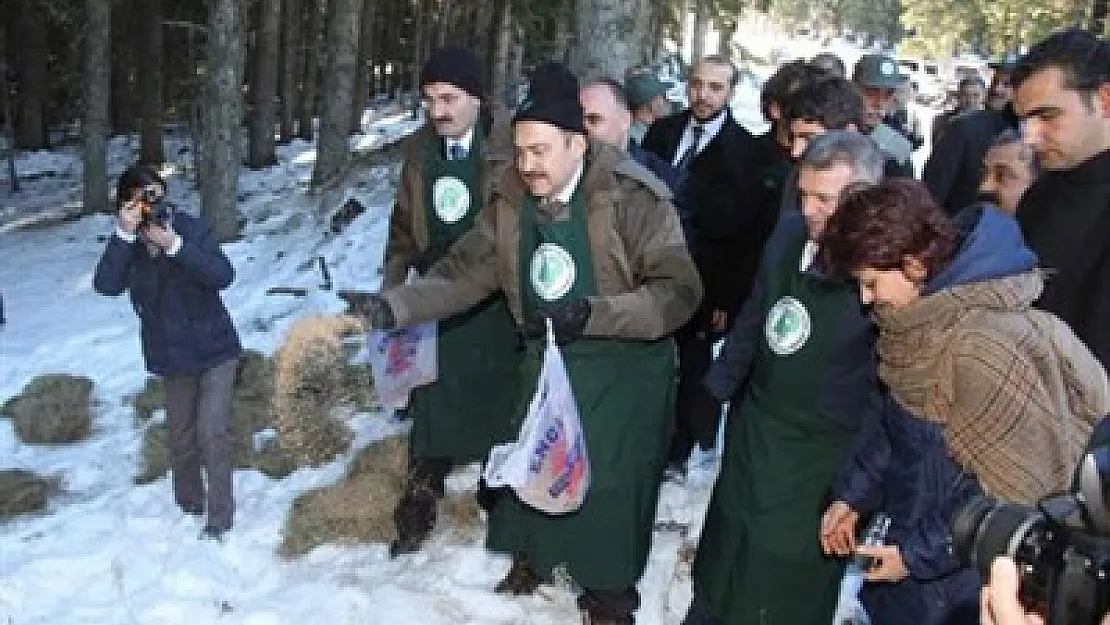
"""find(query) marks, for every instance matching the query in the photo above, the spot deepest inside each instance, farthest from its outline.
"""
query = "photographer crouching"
(173, 268)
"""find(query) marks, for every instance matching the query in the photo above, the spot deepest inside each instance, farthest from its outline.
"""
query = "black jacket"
(719, 194)
(185, 327)
(955, 166)
(1065, 217)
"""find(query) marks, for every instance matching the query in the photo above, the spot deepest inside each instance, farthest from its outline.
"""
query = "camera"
(1061, 546)
(153, 207)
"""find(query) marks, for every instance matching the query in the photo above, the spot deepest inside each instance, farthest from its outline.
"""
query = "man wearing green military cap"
(877, 78)
(647, 97)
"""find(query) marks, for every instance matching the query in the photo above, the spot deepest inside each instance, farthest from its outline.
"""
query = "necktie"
(456, 152)
(696, 132)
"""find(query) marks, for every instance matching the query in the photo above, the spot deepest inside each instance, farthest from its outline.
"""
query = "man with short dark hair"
(971, 95)
(1062, 95)
(1009, 169)
(609, 120)
(798, 370)
(715, 157)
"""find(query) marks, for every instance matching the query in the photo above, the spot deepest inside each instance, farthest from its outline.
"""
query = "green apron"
(467, 410)
(759, 561)
(625, 392)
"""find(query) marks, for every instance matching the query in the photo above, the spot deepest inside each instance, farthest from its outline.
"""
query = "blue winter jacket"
(185, 327)
(903, 467)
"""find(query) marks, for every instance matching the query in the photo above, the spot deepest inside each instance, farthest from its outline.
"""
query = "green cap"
(877, 70)
(643, 88)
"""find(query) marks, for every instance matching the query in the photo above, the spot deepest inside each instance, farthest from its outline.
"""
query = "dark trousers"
(697, 412)
(198, 415)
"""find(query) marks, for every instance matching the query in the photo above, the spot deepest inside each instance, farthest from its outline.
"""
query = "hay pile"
(359, 508)
(311, 379)
(52, 409)
(22, 492)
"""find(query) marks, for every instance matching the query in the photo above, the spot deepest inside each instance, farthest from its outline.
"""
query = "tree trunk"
(265, 86)
(499, 78)
(32, 75)
(1099, 10)
(223, 111)
(607, 41)
(125, 101)
(7, 130)
(701, 29)
(291, 53)
(644, 12)
(728, 31)
(314, 23)
(446, 20)
(335, 116)
(151, 80)
(367, 55)
(98, 89)
(417, 51)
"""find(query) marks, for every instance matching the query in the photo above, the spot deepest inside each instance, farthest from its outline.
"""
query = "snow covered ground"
(112, 552)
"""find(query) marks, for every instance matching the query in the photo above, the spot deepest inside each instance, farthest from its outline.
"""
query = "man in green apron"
(798, 368)
(582, 235)
(447, 166)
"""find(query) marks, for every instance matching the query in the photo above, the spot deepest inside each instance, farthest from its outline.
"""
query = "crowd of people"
(886, 344)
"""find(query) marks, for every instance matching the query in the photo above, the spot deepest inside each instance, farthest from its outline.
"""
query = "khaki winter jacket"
(1015, 390)
(408, 226)
(647, 284)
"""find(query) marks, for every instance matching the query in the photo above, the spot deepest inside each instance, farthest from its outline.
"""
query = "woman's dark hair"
(134, 177)
(878, 227)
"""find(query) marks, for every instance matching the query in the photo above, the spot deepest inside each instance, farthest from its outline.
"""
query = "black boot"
(415, 517)
(606, 607)
(520, 580)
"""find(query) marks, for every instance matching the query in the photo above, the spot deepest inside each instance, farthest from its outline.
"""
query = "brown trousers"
(198, 416)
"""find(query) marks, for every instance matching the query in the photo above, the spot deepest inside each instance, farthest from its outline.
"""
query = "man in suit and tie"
(724, 226)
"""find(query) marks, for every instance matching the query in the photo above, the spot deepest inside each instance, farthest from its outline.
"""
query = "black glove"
(567, 320)
(370, 306)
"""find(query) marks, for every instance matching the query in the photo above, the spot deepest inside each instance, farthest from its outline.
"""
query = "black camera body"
(154, 208)
(1061, 546)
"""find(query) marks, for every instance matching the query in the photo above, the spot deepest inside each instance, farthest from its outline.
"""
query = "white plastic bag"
(402, 360)
(547, 465)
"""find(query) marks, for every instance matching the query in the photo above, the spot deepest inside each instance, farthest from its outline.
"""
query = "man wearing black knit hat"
(580, 234)
(447, 165)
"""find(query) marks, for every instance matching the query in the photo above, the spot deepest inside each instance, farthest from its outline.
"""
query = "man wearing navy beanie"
(447, 165)
(581, 235)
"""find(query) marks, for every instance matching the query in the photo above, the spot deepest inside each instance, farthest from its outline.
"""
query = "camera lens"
(984, 529)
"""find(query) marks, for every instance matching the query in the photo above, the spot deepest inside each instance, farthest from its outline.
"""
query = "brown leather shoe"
(520, 580)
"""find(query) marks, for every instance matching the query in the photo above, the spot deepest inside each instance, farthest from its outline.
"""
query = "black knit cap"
(553, 98)
(456, 66)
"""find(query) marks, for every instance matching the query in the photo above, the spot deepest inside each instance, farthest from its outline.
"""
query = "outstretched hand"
(371, 307)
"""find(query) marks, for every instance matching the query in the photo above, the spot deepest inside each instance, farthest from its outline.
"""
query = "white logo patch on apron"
(788, 326)
(552, 272)
(450, 198)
